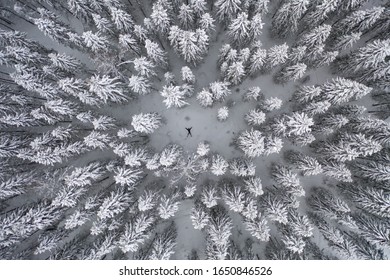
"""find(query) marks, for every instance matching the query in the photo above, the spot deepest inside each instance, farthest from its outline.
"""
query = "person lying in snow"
(189, 131)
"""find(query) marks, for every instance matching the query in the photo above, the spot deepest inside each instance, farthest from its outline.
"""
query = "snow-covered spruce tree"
(276, 55)
(242, 167)
(163, 244)
(136, 232)
(140, 85)
(287, 180)
(156, 54)
(218, 232)
(255, 117)
(341, 90)
(168, 205)
(321, 11)
(364, 58)
(187, 75)
(218, 165)
(146, 122)
(107, 89)
(235, 73)
(170, 155)
(199, 216)
(174, 96)
(288, 16)
(306, 164)
(234, 197)
(272, 103)
(291, 73)
(227, 9)
(117, 202)
(205, 98)
(298, 123)
(254, 185)
(239, 30)
(186, 16)
(253, 94)
(220, 90)
(160, 18)
(257, 61)
(144, 67)
(223, 113)
(359, 21)
(251, 142)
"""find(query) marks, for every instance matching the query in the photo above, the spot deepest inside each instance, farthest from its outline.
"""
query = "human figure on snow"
(189, 131)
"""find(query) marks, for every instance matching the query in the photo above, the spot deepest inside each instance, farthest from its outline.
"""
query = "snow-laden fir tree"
(146, 122)
(276, 55)
(346, 41)
(272, 145)
(206, 22)
(147, 200)
(258, 227)
(144, 67)
(186, 16)
(107, 89)
(288, 180)
(306, 164)
(136, 232)
(163, 245)
(220, 90)
(203, 149)
(123, 21)
(257, 61)
(255, 117)
(170, 155)
(199, 216)
(235, 73)
(315, 37)
(341, 90)
(168, 206)
(175, 96)
(227, 9)
(187, 75)
(242, 167)
(160, 18)
(218, 231)
(129, 43)
(359, 21)
(140, 85)
(254, 185)
(223, 114)
(239, 30)
(127, 176)
(253, 94)
(272, 103)
(155, 53)
(210, 196)
(321, 11)
(288, 16)
(97, 42)
(218, 165)
(234, 198)
(291, 73)
(205, 98)
(117, 202)
(251, 142)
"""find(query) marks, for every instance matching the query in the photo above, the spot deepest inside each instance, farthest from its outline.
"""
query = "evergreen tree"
(252, 143)
(227, 9)
(218, 165)
(146, 123)
(288, 16)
